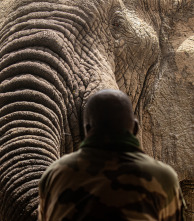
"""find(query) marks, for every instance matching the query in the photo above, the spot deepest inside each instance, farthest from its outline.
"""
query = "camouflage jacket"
(109, 180)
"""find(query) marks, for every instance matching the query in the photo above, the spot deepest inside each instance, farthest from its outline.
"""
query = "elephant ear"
(182, 41)
(168, 120)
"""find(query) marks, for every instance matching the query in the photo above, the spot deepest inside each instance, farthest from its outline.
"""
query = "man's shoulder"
(67, 159)
(163, 172)
(58, 165)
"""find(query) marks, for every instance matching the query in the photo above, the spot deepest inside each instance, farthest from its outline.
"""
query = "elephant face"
(77, 48)
(54, 54)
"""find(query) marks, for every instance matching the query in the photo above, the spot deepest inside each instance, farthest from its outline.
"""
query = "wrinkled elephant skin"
(54, 54)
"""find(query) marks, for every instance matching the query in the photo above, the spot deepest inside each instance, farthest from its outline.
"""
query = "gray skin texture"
(54, 54)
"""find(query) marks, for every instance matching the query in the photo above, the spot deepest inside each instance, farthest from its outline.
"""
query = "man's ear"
(87, 129)
(136, 127)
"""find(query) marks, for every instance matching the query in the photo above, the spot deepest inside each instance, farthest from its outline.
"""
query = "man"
(109, 178)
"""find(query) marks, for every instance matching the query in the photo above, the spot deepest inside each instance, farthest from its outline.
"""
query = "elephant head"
(53, 55)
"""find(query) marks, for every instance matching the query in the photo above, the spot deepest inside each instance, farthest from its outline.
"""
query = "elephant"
(54, 54)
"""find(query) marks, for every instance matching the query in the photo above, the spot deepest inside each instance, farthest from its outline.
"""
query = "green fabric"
(107, 185)
(124, 142)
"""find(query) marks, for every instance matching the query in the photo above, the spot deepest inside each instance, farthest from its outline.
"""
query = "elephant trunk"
(47, 72)
(33, 115)
(31, 125)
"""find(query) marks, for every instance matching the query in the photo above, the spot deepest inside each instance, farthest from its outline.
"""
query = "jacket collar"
(125, 142)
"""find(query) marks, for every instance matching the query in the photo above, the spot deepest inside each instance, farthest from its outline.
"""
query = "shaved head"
(109, 112)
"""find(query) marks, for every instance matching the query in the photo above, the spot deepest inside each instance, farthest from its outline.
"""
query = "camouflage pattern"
(109, 180)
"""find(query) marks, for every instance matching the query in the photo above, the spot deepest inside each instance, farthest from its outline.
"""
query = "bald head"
(109, 112)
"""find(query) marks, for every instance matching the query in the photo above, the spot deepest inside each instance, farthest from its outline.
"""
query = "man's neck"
(107, 134)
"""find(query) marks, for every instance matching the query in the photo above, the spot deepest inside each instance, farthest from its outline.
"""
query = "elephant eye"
(118, 21)
(116, 24)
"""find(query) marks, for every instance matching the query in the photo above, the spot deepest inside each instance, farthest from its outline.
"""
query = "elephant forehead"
(165, 5)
